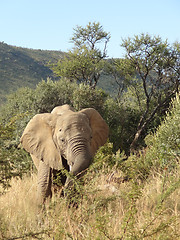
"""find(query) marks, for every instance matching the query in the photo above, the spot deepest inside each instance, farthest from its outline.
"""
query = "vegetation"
(85, 62)
(151, 72)
(125, 194)
(23, 67)
(109, 206)
(108, 210)
(14, 162)
(49, 94)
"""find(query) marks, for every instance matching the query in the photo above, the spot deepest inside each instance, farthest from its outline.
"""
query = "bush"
(14, 162)
(164, 145)
(86, 97)
(163, 148)
(51, 94)
(21, 101)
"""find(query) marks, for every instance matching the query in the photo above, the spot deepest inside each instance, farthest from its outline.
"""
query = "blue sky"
(42, 24)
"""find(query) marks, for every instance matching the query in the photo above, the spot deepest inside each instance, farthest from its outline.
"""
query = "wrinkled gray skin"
(63, 139)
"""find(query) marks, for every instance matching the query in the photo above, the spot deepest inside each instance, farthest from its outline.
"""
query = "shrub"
(85, 97)
(164, 145)
(49, 94)
(14, 162)
(162, 150)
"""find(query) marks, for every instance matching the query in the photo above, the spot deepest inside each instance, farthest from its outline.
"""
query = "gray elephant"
(63, 139)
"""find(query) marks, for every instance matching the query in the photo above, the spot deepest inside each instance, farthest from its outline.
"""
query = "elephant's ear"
(37, 139)
(100, 129)
(59, 110)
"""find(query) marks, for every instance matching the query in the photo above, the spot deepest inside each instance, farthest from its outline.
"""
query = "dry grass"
(107, 209)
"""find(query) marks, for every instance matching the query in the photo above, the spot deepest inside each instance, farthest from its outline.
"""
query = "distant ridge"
(25, 67)
(20, 67)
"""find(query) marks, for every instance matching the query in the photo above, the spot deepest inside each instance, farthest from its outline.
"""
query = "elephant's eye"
(60, 130)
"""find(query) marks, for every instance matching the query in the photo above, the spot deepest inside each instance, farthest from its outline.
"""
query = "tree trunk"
(135, 140)
(142, 126)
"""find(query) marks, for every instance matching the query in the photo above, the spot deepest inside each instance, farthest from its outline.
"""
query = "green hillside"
(23, 67)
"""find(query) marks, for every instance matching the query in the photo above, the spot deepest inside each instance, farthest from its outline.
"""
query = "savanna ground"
(109, 207)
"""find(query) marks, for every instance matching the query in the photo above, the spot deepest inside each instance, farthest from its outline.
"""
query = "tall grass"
(108, 208)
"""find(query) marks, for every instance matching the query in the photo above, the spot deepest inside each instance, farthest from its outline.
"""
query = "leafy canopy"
(85, 62)
(90, 36)
(151, 73)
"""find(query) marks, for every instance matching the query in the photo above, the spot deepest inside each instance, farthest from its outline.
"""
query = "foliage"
(121, 118)
(122, 121)
(14, 162)
(49, 94)
(105, 157)
(164, 145)
(156, 65)
(91, 35)
(163, 148)
(123, 72)
(86, 97)
(85, 62)
(118, 198)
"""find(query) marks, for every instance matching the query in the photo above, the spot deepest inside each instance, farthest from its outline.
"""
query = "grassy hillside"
(23, 67)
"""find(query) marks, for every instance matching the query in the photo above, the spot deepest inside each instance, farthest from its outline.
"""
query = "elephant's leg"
(44, 182)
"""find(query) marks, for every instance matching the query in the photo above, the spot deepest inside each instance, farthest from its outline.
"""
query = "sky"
(49, 24)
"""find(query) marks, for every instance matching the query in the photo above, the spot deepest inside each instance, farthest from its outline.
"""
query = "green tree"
(154, 69)
(85, 62)
(14, 162)
(122, 72)
(86, 97)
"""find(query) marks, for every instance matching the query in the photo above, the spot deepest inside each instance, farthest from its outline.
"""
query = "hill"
(23, 67)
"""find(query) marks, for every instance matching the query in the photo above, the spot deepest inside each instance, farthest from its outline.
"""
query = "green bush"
(14, 162)
(122, 121)
(85, 96)
(164, 145)
(21, 101)
(49, 94)
(162, 151)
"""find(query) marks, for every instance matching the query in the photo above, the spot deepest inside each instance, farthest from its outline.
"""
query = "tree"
(85, 62)
(156, 64)
(14, 162)
(122, 72)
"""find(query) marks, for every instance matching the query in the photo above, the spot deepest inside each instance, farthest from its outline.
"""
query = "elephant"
(63, 139)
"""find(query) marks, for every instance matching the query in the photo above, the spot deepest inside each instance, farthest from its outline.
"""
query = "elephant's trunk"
(81, 163)
(79, 155)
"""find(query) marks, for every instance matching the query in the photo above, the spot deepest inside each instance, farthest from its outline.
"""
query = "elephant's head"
(65, 135)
